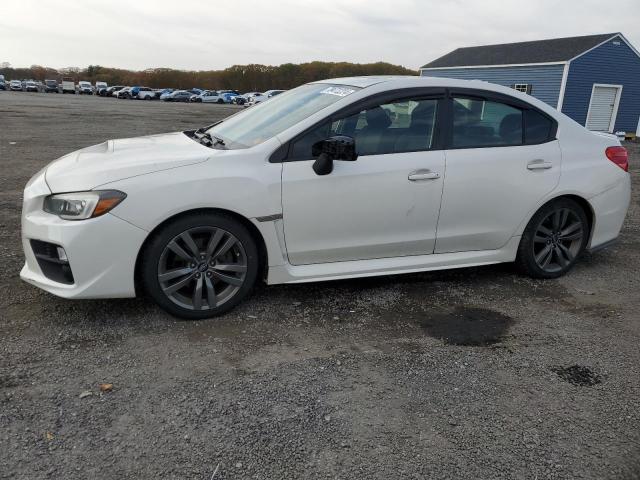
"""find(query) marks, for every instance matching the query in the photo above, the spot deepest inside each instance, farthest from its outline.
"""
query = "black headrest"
(423, 114)
(511, 124)
(378, 118)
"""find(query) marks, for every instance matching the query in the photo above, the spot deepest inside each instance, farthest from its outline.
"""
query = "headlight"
(82, 205)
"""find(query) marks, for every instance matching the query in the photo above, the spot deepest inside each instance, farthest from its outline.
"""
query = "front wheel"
(200, 265)
(554, 239)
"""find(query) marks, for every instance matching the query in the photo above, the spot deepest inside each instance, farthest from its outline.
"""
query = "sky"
(210, 35)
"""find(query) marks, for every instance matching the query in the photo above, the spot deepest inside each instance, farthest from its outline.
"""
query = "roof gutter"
(496, 66)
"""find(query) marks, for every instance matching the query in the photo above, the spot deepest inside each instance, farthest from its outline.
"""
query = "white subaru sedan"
(336, 179)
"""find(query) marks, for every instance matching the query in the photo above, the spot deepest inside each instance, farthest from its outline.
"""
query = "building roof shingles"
(539, 51)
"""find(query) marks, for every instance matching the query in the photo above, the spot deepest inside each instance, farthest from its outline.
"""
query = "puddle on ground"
(578, 375)
(467, 326)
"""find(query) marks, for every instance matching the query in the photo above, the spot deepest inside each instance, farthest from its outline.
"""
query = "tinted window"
(538, 128)
(483, 123)
(404, 126)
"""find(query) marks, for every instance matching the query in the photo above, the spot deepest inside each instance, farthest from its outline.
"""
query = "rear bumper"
(604, 245)
(610, 209)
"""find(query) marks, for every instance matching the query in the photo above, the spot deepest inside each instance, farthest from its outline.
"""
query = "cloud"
(202, 35)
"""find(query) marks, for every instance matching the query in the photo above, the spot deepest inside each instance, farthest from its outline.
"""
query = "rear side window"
(484, 123)
(537, 127)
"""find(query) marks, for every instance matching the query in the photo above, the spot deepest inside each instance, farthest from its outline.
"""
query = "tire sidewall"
(157, 244)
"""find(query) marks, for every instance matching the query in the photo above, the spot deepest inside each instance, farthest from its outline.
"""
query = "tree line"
(241, 77)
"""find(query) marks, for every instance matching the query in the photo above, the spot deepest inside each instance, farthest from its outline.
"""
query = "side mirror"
(339, 147)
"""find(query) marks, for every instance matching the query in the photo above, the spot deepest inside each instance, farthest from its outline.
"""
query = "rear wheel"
(200, 266)
(554, 239)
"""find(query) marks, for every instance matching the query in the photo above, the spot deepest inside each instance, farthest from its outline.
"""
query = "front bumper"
(101, 251)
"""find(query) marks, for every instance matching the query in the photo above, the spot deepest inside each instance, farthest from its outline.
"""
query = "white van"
(85, 88)
(100, 86)
(68, 85)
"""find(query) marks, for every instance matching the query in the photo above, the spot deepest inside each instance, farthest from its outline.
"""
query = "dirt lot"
(477, 373)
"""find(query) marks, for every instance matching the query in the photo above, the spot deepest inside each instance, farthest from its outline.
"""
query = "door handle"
(423, 175)
(539, 165)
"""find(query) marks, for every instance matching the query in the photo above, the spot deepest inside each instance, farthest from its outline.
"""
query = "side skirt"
(390, 266)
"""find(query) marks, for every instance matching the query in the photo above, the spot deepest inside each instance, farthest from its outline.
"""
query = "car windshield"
(267, 119)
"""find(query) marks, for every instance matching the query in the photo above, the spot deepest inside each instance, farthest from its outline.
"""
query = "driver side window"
(404, 126)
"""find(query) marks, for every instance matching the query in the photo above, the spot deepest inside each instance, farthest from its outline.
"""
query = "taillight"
(619, 156)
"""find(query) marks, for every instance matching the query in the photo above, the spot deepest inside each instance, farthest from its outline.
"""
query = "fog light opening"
(62, 255)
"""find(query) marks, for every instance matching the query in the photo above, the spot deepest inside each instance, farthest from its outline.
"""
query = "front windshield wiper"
(204, 129)
(208, 140)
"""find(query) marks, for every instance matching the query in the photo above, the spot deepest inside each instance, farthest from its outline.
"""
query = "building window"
(522, 87)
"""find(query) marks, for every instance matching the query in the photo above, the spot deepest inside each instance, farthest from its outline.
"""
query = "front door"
(384, 204)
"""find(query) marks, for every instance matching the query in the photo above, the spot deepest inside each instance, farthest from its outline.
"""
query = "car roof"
(390, 82)
(365, 81)
(400, 81)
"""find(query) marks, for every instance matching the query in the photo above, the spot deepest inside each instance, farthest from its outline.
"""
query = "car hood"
(118, 159)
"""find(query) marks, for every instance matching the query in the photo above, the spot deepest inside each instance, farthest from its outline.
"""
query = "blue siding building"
(593, 79)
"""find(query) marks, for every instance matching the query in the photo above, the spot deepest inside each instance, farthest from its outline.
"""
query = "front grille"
(50, 263)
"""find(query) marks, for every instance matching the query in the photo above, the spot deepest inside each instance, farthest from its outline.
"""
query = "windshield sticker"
(339, 91)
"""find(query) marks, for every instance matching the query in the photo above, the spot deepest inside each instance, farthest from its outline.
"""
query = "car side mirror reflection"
(339, 147)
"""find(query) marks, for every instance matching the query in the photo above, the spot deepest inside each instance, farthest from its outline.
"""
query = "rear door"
(502, 159)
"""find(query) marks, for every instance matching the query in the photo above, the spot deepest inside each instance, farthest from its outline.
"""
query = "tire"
(553, 240)
(231, 271)
(220, 100)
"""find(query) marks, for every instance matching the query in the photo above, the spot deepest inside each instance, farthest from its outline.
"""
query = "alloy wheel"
(202, 268)
(558, 240)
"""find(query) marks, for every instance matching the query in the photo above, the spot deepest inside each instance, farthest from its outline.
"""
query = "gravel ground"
(477, 373)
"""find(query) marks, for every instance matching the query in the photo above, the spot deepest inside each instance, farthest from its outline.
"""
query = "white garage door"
(603, 107)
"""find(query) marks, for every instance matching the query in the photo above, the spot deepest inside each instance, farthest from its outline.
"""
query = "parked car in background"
(251, 99)
(244, 98)
(30, 86)
(15, 85)
(111, 91)
(123, 93)
(51, 86)
(3, 85)
(164, 93)
(133, 92)
(208, 96)
(100, 86)
(228, 96)
(146, 93)
(255, 99)
(198, 97)
(178, 96)
(85, 88)
(524, 183)
(68, 85)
